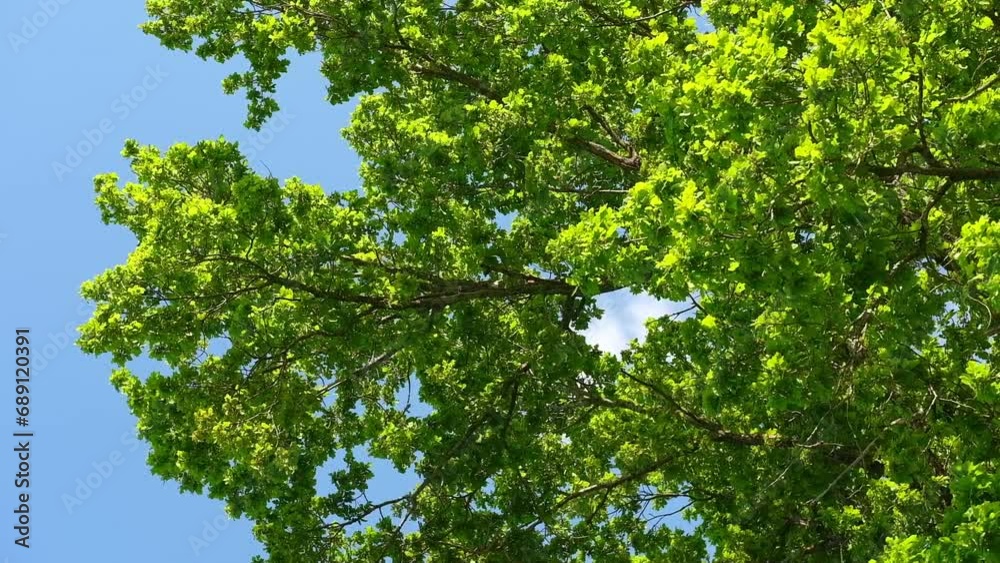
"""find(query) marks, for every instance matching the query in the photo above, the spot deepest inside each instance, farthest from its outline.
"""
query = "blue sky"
(81, 78)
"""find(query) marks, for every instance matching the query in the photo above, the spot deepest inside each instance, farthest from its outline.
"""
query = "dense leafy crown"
(816, 183)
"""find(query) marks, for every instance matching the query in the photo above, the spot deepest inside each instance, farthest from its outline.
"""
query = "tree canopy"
(815, 183)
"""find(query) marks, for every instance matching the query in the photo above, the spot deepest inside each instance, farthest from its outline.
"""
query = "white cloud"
(624, 319)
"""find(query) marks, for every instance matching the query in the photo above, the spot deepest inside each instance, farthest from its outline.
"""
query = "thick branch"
(938, 171)
(984, 87)
(631, 162)
(452, 75)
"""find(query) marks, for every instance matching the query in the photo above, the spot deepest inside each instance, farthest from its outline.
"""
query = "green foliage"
(815, 181)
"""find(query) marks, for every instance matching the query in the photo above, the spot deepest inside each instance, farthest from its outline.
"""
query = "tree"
(816, 181)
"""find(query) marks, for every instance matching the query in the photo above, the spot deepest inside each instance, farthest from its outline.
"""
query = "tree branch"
(939, 171)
